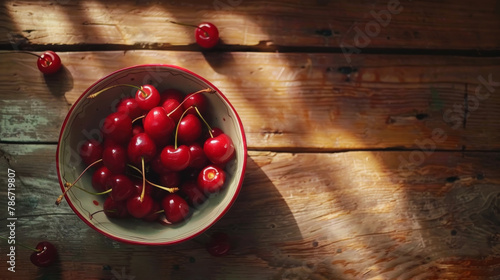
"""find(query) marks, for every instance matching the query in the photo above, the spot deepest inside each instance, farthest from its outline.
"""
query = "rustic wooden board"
(289, 101)
(360, 25)
(352, 215)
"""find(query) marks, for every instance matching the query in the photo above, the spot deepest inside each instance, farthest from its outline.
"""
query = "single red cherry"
(211, 179)
(219, 244)
(130, 107)
(147, 97)
(176, 208)
(49, 62)
(198, 157)
(114, 209)
(219, 149)
(90, 151)
(207, 35)
(175, 159)
(140, 147)
(45, 255)
(121, 187)
(189, 129)
(114, 157)
(159, 126)
(118, 127)
(138, 207)
(101, 179)
(193, 195)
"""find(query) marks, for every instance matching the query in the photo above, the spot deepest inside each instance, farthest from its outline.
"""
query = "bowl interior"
(83, 123)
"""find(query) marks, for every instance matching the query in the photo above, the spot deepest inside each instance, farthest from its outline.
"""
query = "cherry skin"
(137, 128)
(101, 179)
(219, 149)
(91, 151)
(158, 125)
(113, 209)
(121, 187)
(45, 255)
(170, 179)
(153, 215)
(114, 157)
(193, 195)
(175, 159)
(140, 147)
(219, 244)
(195, 99)
(198, 157)
(138, 187)
(173, 109)
(147, 97)
(171, 94)
(157, 166)
(175, 207)
(117, 127)
(189, 129)
(130, 107)
(138, 207)
(207, 35)
(211, 179)
(216, 131)
(49, 63)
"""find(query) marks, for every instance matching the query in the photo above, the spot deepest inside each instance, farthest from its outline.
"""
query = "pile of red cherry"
(157, 160)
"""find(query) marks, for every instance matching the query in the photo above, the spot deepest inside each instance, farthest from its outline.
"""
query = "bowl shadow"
(259, 217)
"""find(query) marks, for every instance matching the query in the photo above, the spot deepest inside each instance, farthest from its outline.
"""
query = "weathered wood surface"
(352, 215)
(289, 101)
(378, 162)
(362, 25)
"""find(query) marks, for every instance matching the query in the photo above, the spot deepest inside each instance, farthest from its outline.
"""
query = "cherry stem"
(143, 180)
(89, 192)
(138, 118)
(206, 123)
(69, 186)
(190, 25)
(93, 95)
(170, 190)
(207, 90)
(22, 245)
(178, 123)
(26, 52)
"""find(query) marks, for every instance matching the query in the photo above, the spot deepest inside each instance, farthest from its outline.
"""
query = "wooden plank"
(353, 215)
(460, 25)
(288, 101)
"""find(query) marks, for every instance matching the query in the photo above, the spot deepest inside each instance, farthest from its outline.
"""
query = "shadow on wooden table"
(259, 216)
(60, 82)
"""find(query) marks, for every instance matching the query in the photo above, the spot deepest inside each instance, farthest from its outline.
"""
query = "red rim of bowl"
(233, 199)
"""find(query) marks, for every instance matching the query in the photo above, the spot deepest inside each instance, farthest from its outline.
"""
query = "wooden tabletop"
(373, 130)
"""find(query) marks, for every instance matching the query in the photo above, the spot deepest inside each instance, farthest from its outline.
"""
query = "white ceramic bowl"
(83, 122)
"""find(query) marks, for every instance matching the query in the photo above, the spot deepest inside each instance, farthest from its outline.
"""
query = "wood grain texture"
(357, 24)
(353, 215)
(289, 101)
